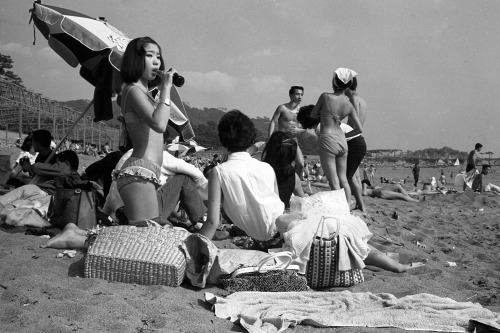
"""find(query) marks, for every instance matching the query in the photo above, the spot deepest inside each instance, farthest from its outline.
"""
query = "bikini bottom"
(333, 145)
(137, 170)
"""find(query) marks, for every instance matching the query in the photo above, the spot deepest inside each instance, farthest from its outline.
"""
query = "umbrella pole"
(35, 179)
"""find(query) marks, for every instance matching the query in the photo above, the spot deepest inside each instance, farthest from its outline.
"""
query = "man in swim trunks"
(471, 159)
(285, 119)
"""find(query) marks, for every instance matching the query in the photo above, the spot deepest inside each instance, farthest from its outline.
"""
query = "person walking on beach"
(285, 119)
(416, 172)
(472, 158)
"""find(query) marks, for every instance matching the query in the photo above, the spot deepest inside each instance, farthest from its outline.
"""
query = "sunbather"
(388, 192)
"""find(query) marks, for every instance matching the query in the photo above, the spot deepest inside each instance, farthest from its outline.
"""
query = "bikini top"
(130, 116)
(336, 118)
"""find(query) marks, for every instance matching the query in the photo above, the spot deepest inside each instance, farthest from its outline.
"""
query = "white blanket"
(275, 312)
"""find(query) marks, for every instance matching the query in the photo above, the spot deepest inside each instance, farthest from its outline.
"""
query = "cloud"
(212, 82)
(15, 48)
(47, 53)
(265, 84)
(263, 53)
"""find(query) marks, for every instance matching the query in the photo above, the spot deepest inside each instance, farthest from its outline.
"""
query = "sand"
(42, 293)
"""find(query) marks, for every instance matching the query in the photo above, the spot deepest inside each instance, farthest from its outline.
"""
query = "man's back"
(361, 108)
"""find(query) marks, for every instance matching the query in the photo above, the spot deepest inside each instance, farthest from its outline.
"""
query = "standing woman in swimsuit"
(332, 108)
(137, 181)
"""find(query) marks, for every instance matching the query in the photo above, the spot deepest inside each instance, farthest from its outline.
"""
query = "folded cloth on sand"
(352, 243)
(275, 312)
(20, 217)
(470, 176)
(205, 263)
(331, 203)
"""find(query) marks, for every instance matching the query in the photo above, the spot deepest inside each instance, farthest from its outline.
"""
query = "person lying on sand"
(388, 192)
(492, 188)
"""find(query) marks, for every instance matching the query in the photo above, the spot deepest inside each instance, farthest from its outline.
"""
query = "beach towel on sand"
(275, 312)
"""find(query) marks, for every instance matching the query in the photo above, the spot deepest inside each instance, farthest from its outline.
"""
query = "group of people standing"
(341, 145)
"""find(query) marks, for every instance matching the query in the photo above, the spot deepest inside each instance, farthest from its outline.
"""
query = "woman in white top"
(245, 187)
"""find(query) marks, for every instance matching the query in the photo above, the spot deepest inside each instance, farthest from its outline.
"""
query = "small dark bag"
(266, 279)
(73, 202)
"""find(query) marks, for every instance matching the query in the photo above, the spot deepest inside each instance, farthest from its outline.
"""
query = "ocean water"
(399, 173)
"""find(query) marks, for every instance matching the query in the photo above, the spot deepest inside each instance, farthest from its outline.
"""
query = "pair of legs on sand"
(335, 169)
(389, 192)
(73, 237)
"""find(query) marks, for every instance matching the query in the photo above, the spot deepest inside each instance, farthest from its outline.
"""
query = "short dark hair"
(133, 63)
(478, 145)
(354, 83)
(280, 152)
(293, 88)
(42, 136)
(236, 131)
(27, 143)
(69, 156)
(305, 119)
(486, 166)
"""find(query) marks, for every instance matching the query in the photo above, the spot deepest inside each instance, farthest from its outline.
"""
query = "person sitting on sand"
(280, 152)
(66, 163)
(477, 184)
(245, 187)
(388, 192)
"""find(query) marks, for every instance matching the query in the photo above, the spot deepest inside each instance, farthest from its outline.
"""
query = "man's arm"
(274, 121)
(172, 165)
(52, 170)
(214, 201)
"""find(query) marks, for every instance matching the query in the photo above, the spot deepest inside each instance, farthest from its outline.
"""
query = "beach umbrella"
(97, 47)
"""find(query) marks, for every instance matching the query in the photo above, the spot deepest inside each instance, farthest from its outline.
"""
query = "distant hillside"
(204, 121)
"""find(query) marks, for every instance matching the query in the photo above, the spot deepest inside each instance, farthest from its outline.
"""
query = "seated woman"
(280, 152)
(245, 187)
(388, 192)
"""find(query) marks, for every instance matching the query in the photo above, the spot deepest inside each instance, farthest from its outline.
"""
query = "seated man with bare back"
(285, 120)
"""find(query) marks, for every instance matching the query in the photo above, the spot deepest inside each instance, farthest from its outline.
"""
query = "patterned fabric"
(322, 268)
(270, 281)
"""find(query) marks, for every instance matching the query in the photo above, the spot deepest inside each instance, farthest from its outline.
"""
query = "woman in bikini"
(146, 121)
(332, 108)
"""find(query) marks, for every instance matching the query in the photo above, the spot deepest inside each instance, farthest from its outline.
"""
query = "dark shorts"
(357, 151)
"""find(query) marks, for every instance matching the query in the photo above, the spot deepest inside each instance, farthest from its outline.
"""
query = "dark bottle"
(177, 80)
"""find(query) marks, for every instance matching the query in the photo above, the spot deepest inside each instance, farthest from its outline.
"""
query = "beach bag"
(75, 202)
(143, 255)
(264, 278)
(322, 268)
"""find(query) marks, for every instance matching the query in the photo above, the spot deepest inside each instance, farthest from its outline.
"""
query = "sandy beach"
(456, 235)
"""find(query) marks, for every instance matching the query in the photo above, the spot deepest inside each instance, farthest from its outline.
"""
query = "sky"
(428, 70)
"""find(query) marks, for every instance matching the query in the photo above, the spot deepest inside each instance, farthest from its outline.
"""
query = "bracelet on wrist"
(166, 101)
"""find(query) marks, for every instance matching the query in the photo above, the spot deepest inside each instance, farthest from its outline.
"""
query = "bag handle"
(262, 269)
(322, 224)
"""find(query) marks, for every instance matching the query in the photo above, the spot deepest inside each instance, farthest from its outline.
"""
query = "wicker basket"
(149, 256)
